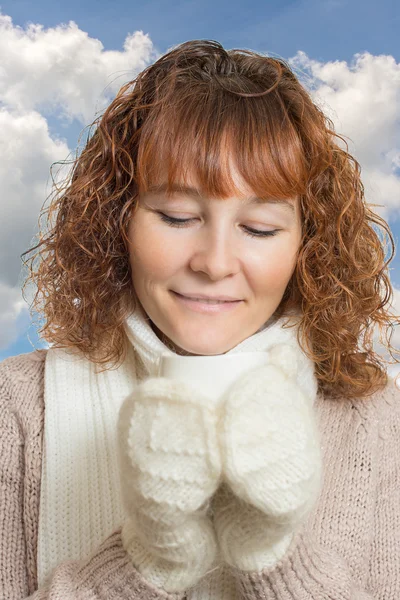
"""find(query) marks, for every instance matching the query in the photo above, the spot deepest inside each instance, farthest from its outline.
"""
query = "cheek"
(271, 270)
(149, 254)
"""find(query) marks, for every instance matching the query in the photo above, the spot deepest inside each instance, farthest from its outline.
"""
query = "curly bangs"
(194, 110)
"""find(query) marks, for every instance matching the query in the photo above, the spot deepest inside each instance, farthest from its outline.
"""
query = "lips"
(201, 298)
(207, 300)
(202, 306)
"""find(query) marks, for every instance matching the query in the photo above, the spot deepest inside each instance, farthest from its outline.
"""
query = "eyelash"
(182, 223)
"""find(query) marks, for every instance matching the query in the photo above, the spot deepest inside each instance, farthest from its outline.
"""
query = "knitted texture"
(346, 550)
(170, 469)
(272, 465)
(79, 457)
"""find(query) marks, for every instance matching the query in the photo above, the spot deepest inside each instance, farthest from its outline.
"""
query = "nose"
(215, 253)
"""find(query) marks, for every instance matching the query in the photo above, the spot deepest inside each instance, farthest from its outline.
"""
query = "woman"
(212, 174)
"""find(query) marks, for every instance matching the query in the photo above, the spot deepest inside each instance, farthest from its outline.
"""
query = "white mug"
(213, 374)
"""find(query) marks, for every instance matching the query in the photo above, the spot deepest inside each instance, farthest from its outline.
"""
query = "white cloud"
(27, 150)
(363, 100)
(12, 306)
(62, 69)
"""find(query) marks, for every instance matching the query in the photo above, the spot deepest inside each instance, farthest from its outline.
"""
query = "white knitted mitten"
(170, 468)
(271, 463)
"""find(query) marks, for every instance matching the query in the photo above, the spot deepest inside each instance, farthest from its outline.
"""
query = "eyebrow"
(196, 194)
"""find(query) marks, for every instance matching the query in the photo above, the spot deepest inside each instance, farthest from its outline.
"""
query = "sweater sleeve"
(309, 571)
(13, 571)
(107, 573)
(306, 572)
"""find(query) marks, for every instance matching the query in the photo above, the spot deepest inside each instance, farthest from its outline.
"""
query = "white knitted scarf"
(80, 500)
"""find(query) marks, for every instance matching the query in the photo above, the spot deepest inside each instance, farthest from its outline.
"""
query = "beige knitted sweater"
(348, 550)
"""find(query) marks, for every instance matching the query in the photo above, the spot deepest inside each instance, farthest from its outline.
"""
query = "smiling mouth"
(206, 306)
(206, 300)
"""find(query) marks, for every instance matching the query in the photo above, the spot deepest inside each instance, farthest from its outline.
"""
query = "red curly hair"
(182, 112)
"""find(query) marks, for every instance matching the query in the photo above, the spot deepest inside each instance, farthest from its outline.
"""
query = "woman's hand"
(170, 469)
(271, 463)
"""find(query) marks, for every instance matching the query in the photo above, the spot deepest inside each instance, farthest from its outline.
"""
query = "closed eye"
(173, 222)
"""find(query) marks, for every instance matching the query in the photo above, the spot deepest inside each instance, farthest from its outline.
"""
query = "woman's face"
(212, 254)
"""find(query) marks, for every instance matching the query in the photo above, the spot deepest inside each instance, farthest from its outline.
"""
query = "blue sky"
(49, 91)
(324, 30)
